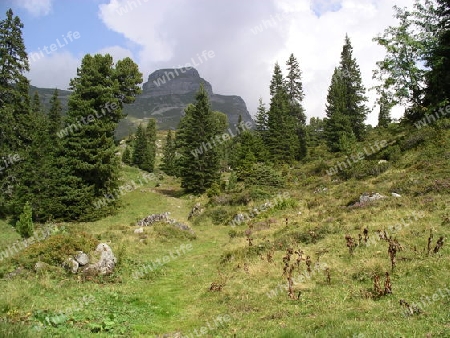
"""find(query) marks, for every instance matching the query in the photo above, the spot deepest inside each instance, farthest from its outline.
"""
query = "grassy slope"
(176, 297)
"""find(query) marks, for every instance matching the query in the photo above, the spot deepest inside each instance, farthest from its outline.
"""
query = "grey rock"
(364, 198)
(394, 194)
(139, 231)
(82, 258)
(71, 265)
(106, 262)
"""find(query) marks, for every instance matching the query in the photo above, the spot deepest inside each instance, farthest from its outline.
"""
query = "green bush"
(56, 249)
(263, 174)
(218, 216)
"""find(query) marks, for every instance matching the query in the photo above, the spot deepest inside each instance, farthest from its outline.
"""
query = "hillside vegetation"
(219, 286)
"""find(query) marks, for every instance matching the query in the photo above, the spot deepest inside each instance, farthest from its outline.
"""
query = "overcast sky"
(246, 37)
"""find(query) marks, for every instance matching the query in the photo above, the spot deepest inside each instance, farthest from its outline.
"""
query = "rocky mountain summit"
(166, 94)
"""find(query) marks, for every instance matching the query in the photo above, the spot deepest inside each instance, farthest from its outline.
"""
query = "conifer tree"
(294, 89)
(168, 164)
(199, 161)
(282, 140)
(24, 225)
(141, 150)
(354, 97)
(15, 118)
(337, 123)
(261, 117)
(126, 156)
(89, 166)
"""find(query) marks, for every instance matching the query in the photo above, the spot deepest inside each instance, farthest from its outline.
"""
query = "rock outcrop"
(166, 94)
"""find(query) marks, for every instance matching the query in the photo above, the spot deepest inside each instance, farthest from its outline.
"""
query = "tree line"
(61, 175)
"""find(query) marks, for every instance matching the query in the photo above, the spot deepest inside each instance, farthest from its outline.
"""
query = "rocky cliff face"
(167, 93)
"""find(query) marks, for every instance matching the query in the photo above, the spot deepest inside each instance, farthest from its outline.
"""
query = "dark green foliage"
(261, 118)
(89, 168)
(438, 78)
(338, 126)
(263, 174)
(126, 156)
(248, 150)
(315, 131)
(168, 164)
(145, 147)
(24, 225)
(294, 90)
(15, 120)
(199, 160)
(54, 116)
(354, 94)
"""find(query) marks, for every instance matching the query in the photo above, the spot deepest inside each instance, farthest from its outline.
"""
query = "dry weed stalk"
(351, 244)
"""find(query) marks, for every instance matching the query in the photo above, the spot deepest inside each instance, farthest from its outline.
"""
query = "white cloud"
(248, 37)
(57, 68)
(116, 52)
(36, 7)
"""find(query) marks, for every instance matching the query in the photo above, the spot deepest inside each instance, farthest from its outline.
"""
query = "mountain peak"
(175, 80)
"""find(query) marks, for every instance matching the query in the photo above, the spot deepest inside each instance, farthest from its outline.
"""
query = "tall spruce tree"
(89, 166)
(337, 123)
(141, 150)
(261, 118)
(294, 89)
(199, 157)
(168, 164)
(15, 116)
(282, 139)
(355, 96)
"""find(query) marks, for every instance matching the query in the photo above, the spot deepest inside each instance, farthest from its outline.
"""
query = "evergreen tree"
(199, 157)
(15, 122)
(261, 118)
(88, 164)
(150, 134)
(15, 116)
(294, 89)
(282, 140)
(126, 156)
(168, 164)
(315, 131)
(354, 97)
(337, 123)
(438, 78)
(141, 150)
(277, 82)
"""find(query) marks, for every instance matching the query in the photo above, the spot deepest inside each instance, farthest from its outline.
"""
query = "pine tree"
(261, 118)
(277, 82)
(168, 164)
(294, 89)
(337, 123)
(15, 115)
(126, 156)
(150, 134)
(282, 139)
(354, 97)
(141, 151)
(88, 164)
(199, 158)
(15, 123)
